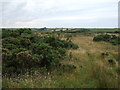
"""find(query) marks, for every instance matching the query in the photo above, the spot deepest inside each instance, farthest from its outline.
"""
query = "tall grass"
(105, 78)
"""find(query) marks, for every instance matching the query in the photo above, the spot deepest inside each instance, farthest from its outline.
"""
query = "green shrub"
(61, 51)
(23, 50)
(25, 42)
(102, 38)
(108, 38)
(74, 46)
(24, 30)
(6, 33)
(11, 40)
(10, 46)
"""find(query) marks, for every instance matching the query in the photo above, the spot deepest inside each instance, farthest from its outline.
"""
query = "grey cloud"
(15, 12)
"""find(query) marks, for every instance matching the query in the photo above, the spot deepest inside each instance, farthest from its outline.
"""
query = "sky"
(59, 13)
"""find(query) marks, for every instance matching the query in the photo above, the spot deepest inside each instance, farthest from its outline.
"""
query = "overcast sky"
(59, 13)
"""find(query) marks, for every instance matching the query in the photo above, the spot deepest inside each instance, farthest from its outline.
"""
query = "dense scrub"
(23, 50)
(115, 40)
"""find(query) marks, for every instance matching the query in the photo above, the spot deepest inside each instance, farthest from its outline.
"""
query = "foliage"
(23, 50)
(74, 46)
(115, 40)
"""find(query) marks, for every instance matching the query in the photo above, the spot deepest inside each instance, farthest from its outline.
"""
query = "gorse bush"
(73, 46)
(23, 50)
(115, 40)
(102, 38)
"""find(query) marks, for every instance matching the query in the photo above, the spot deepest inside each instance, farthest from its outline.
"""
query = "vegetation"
(78, 30)
(115, 40)
(53, 60)
(22, 48)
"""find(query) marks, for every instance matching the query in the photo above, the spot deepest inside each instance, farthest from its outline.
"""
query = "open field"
(92, 69)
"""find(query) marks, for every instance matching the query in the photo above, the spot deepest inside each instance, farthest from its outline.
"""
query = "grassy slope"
(92, 70)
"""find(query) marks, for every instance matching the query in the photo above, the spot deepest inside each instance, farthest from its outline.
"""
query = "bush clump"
(23, 50)
(115, 40)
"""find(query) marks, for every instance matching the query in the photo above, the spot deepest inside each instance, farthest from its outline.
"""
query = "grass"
(102, 73)
(93, 70)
